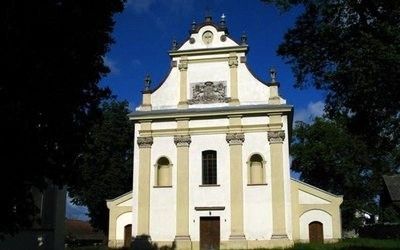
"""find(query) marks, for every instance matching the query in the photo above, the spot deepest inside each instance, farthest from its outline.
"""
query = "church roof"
(393, 186)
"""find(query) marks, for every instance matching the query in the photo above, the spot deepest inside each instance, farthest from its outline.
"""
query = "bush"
(380, 231)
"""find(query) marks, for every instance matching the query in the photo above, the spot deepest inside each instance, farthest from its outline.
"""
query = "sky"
(144, 32)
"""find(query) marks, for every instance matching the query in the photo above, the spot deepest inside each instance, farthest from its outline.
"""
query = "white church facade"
(211, 158)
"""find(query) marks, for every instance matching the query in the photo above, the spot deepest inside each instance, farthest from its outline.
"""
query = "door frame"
(216, 218)
(318, 238)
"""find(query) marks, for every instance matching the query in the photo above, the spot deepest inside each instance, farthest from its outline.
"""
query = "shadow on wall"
(143, 242)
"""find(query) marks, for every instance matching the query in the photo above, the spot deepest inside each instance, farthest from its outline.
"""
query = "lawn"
(347, 244)
(352, 244)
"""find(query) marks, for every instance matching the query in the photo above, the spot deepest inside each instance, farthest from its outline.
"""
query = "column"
(182, 143)
(183, 66)
(144, 143)
(235, 141)
(276, 138)
(233, 64)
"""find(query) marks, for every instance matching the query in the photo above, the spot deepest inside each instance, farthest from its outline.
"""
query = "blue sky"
(144, 32)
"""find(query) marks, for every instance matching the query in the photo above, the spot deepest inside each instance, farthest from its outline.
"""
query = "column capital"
(276, 136)
(145, 141)
(182, 140)
(233, 61)
(183, 65)
(235, 138)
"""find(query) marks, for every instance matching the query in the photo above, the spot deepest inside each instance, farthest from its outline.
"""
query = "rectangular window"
(209, 167)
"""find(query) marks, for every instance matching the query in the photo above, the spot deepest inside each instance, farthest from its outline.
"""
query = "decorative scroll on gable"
(208, 92)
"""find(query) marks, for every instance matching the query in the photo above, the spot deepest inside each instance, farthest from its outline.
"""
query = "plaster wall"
(209, 196)
(216, 42)
(135, 180)
(286, 179)
(167, 95)
(163, 125)
(257, 199)
(163, 199)
(126, 203)
(315, 215)
(208, 123)
(306, 198)
(122, 220)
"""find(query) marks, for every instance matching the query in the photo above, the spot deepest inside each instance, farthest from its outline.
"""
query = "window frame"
(209, 167)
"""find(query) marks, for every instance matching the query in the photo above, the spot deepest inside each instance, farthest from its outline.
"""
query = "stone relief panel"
(208, 92)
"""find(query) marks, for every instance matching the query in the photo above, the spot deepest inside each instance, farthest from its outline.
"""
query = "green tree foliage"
(105, 166)
(351, 50)
(328, 157)
(52, 57)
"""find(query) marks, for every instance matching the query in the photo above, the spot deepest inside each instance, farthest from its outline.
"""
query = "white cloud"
(140, 6)
(174, 6)
(112, 65)
(312, 110)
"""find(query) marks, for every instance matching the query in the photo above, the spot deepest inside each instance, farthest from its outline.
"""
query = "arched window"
(209, 167)
(256, 170)
(163, 172)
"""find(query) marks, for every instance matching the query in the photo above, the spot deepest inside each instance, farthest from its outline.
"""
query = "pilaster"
(182, 142)
(233, 64)
(144, 143)
(183, 66)
(276, 137)
(235, 141)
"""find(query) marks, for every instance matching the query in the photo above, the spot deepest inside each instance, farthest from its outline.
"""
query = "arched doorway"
(127, 235)
(316, 232)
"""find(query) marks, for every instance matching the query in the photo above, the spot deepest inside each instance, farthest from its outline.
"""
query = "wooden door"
(316, 232)
(127, 235)
(209, 233)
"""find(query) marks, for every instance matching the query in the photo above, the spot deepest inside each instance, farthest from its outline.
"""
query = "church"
(211, 163)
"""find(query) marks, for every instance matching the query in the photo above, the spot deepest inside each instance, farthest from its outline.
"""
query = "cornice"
(206, 51)
(193, 113)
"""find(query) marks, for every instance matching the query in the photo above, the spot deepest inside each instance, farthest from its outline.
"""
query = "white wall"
(135, 180)
(167, 95)
(286, 179)
(315, 215)
(163, 200)
(257, 199)
(199, 44)
(209, 196)
(306, 198)
(251, 90)
(122, 220)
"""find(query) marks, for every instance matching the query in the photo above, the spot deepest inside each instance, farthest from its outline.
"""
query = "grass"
(346, 244)
(351, 244)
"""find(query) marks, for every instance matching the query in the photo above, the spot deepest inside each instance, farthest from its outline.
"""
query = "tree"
(328, 157)
(351, 50)
(49, 94)
(105, 166)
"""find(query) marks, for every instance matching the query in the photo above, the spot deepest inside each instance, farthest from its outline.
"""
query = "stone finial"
(243, 39)
(208, 17)
(147, 82)
(273, 73)
(222, 22)
(194, 24)
(174, 44)
(235, 138)
(145, 141)
(182, 140)
(276, 136)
